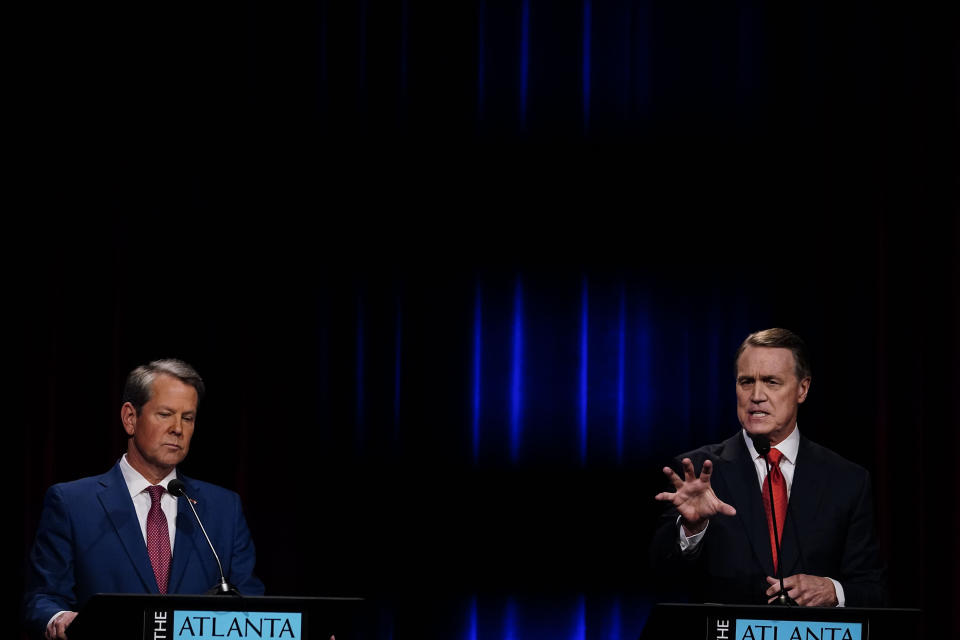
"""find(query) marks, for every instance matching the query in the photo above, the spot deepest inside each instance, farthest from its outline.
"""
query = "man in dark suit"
(122, 532)
(717, 540)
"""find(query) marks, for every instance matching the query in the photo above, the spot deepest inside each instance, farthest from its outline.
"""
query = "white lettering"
(723, 628)
(159, 625)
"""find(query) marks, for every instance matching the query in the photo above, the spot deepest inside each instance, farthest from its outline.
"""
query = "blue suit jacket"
(828, 530)
(89, 541)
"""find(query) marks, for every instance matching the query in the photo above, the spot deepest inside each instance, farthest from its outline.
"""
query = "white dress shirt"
(137, 486)
(789, 447)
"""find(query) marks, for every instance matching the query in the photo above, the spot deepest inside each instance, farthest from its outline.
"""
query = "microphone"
(762, 445)
(177, 488)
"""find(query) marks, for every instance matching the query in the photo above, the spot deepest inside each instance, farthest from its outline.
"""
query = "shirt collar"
(136, 483)
(789, 447)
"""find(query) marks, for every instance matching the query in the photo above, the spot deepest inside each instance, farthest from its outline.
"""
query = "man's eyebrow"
(164, 407)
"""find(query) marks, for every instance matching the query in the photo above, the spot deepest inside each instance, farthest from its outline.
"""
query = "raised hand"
(693, 497)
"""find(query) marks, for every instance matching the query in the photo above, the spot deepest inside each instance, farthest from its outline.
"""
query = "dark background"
(461, 277)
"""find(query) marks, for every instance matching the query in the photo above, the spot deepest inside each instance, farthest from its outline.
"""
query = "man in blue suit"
(718, 541)
(122, 532)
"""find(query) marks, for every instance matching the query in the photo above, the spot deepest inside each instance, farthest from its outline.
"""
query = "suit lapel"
(806, 492)
(188, 535)
(746, 498)
(115, 499)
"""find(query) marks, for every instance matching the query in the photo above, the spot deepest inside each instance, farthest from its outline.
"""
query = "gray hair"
(779, 338)
(139, 385)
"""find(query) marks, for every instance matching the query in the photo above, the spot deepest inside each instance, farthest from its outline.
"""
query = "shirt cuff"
(689, 543)
(54, 617)
(841, 600)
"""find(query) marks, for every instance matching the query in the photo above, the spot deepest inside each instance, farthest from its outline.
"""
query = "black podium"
(154, 617)
(767, 622)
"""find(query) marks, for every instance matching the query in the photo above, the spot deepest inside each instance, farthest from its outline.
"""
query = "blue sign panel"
(233, 625)
(747, 629)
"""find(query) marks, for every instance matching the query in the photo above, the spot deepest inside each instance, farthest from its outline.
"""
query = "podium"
(769, 622)
(218, 617)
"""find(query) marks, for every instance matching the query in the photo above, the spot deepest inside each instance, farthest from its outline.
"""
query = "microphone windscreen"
(176, 487)
(760, 443)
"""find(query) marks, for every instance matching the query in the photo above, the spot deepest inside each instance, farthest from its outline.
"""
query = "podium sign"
(166, 624)
(770, 622)
(726, 628)
(177, 617)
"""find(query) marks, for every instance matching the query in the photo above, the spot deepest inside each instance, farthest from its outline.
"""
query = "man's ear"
(128, 416)
(804, 388)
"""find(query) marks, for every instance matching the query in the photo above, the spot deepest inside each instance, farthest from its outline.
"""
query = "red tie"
(779, 501)
(158, 539)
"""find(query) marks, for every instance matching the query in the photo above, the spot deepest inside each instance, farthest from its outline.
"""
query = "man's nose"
(758, 394)
(176, 425)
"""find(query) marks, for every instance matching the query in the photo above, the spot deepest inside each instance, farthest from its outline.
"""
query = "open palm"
(693, 497)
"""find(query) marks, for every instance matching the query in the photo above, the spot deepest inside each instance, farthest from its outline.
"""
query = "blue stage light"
(584, 366)
(621, 371)
(516, 374)
(477, 364)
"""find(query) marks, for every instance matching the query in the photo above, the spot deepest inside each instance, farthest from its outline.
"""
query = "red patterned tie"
(779, 501)
(158, 539)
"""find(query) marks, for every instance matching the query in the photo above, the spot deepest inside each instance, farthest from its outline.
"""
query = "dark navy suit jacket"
(89, 541)
(828, 531)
